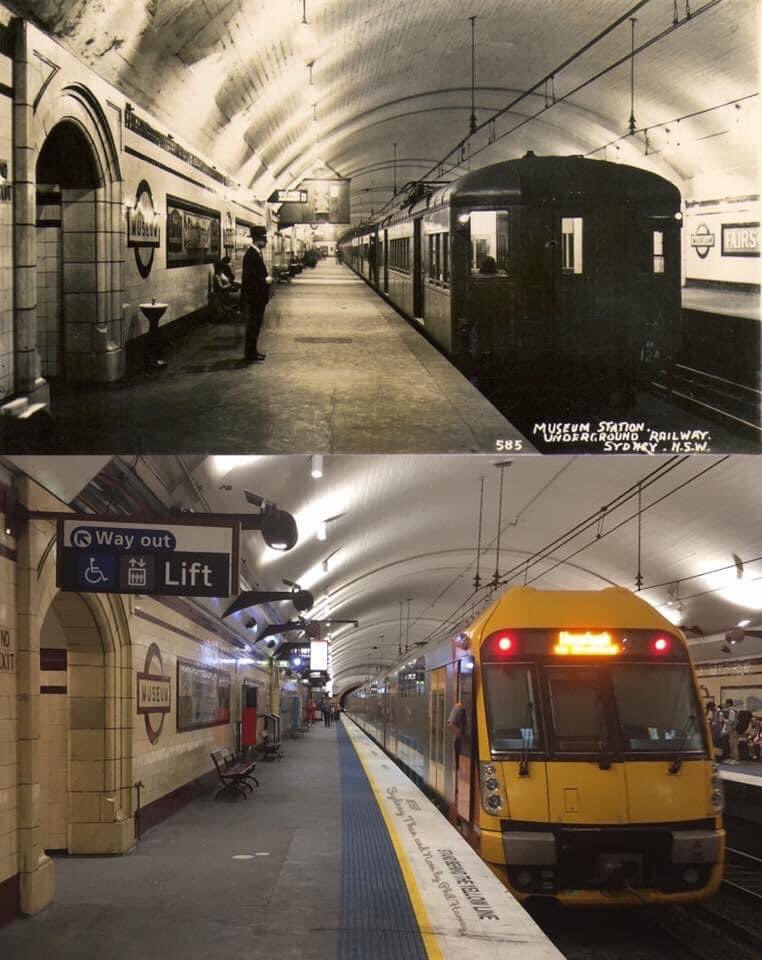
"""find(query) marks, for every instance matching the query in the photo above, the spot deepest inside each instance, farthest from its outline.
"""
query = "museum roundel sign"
(154, 693)
(143, 228)
(702, 240)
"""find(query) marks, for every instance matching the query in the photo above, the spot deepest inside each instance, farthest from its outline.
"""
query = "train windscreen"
(657, 707)
(511, 707)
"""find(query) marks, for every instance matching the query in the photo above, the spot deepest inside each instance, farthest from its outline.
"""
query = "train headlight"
(718, 792)
(493, 798)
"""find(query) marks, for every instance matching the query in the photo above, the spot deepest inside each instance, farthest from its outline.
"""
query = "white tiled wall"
(49, 300)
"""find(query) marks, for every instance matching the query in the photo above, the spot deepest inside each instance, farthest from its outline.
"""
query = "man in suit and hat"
(255, 292)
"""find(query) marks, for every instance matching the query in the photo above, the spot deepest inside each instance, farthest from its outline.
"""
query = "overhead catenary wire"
(590, 522)
(449, 166)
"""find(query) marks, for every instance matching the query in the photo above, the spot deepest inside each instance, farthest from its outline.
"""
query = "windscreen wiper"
(525, 738)
(677, 761)
(604, 760)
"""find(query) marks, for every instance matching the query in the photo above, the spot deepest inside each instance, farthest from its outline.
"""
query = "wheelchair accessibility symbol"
(96, 570)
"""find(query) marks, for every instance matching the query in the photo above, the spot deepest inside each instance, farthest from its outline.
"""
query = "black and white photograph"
(512, 227)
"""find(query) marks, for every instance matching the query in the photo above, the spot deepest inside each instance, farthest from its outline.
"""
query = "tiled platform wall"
(101, 288)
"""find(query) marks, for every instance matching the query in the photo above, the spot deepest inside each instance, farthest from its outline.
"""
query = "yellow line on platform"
(424, 924)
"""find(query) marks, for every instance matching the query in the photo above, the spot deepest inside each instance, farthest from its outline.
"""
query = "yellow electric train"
(563, 734)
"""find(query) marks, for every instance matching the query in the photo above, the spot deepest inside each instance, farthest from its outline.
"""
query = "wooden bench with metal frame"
(234, 774)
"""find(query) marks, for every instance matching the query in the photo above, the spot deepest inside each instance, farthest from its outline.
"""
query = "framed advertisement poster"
(203, 696)
(193, 233)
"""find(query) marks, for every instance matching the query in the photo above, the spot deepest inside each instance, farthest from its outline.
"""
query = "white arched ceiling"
(230, 77)
(406, 528)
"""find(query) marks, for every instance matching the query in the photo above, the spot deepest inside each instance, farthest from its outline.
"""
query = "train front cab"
(596, 780)
(581, 284)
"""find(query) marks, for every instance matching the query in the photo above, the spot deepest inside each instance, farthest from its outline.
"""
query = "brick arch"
(99, 704)
(92, 331)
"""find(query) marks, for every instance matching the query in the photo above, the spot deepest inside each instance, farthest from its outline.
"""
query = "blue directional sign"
(193, 560)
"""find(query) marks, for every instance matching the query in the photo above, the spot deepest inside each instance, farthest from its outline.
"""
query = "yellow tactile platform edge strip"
(421, 914)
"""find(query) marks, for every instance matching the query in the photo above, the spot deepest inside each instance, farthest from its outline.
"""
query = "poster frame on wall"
(223, 681)
(182, 257)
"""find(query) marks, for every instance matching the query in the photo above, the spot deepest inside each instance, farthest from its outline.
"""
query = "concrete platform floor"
(344, 373)
(181, 893)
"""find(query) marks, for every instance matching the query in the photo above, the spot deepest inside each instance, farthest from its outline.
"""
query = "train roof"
(612, 607)
(538, 180)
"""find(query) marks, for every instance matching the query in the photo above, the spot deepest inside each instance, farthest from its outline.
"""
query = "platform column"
(26, 365)
(36, 870)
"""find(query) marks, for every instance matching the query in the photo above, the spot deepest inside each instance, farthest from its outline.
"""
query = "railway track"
(730, 924)
(736, 406)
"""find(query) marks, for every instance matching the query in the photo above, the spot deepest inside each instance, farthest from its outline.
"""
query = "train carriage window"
(571, 244)
(657, 251)
(655, 704)
(512, 713)
(438, 265)
(577, 710)
(399, 254)
(490, 242)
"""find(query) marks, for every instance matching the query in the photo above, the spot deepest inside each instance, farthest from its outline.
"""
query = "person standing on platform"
(335, 710)
(255, 292)
(326, 708)
(730, 733)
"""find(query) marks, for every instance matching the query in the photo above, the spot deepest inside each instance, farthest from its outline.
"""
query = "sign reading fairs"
(189, 560)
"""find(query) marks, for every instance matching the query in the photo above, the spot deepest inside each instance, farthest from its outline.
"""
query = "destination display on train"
(190, 560)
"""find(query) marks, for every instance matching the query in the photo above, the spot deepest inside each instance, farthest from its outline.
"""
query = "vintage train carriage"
(585, 772)
(538, 276)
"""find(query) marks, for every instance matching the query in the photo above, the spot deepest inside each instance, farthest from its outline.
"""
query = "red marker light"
(660, 645)
(505, 643)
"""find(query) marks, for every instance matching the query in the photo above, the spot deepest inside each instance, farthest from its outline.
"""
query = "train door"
(385, 715)
(579, 334)
(490, 286)
(418, 268)
(465, 744)
(437, 730)
(386, 261)
(586, 784)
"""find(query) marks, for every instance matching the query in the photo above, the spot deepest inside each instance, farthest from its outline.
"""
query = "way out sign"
(188, 560)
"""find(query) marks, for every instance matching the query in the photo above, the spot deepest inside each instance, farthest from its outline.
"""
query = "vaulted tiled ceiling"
(405, 529)
(231, 78)
(400, 553)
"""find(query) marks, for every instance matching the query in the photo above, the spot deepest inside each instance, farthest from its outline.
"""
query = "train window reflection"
(490, 242)
(571, 244)
(655, 705)
(512, 711)
(579, 718)
(657, 251)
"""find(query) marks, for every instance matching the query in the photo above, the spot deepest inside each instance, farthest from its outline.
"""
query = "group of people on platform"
(329, 710)
(736, 733)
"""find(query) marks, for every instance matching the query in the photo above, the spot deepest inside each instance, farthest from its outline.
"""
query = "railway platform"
(337, 854)
(344, 373)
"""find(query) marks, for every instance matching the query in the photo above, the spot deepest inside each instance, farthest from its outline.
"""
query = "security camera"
(278, 528)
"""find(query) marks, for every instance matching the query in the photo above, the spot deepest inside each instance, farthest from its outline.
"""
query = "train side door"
(418, 268)
(386, 261)
(464, 755)
(436, 776)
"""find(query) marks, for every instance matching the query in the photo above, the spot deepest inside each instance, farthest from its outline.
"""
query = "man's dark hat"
(258, 233)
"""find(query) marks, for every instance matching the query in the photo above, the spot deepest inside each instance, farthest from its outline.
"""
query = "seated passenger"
(225, 283)
(489, 266)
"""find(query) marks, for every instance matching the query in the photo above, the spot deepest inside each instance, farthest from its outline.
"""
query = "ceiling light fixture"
(316, 466)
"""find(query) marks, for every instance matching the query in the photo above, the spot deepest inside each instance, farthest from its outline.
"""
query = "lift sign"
(177, 560)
